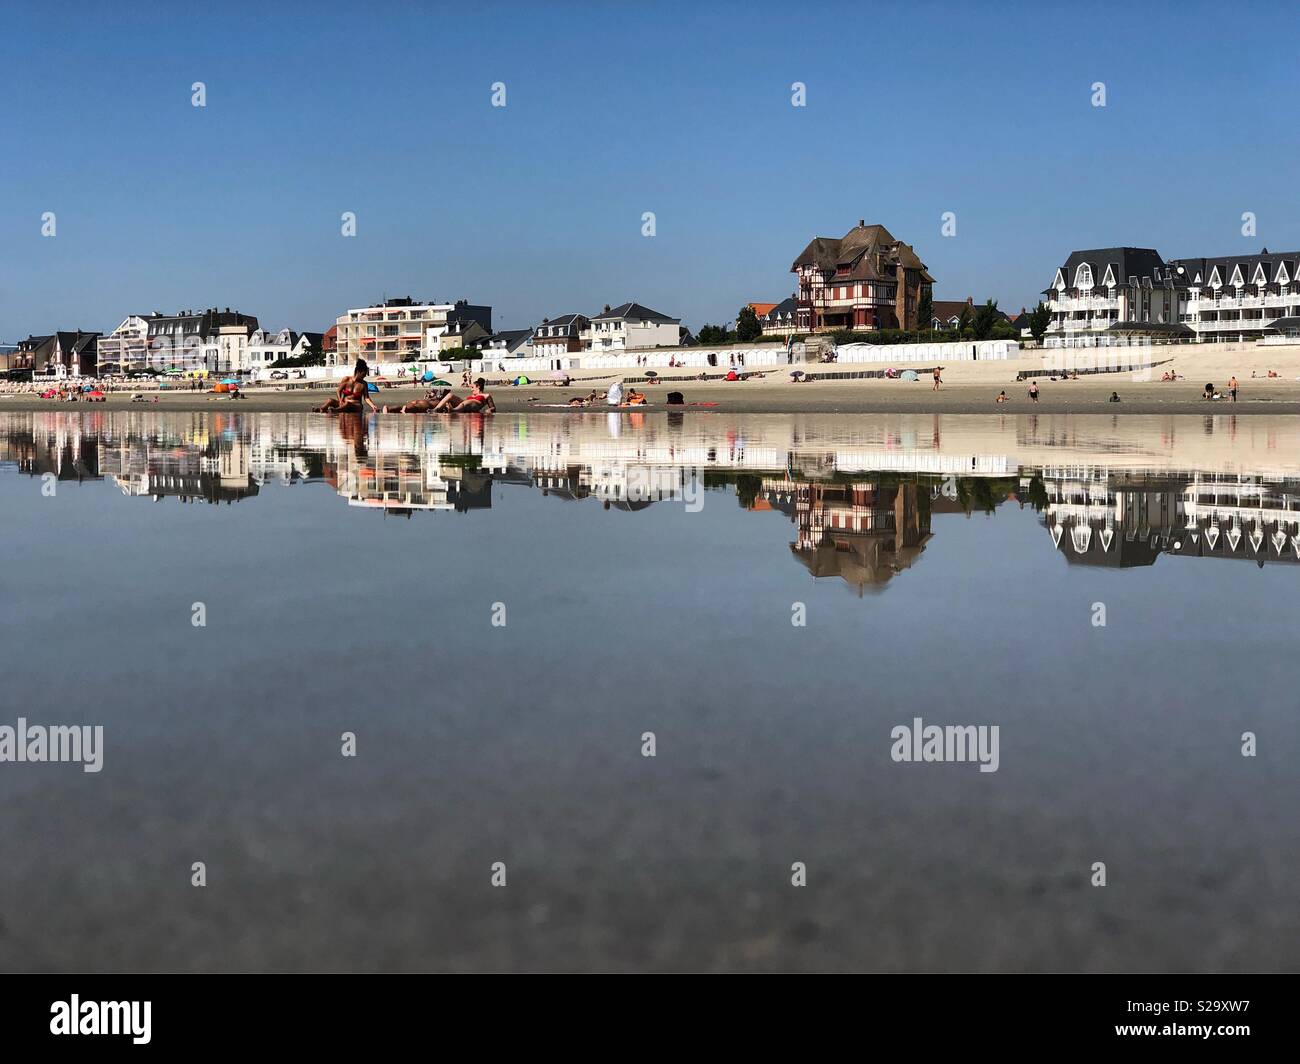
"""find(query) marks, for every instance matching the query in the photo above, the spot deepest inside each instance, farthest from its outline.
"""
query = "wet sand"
(876, 396)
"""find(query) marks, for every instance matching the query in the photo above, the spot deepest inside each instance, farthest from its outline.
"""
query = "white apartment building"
(126, 347)
(404, 329)
(631, 325)
(1107, 295)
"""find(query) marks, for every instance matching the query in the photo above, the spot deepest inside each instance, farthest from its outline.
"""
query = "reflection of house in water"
(215, 470)
(1126, 520)
(864, 532)
(58, 450)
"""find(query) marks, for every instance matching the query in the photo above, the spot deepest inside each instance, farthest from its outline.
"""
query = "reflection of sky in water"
(948, 565)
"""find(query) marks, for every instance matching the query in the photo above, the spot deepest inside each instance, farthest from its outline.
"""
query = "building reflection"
(863, 504)
(863, 532)
(1123, 520)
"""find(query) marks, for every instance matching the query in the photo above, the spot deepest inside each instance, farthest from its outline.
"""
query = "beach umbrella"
(438, 382)
(651, 373)
(230, 380)
(908, 375)
(428, 376)
(796, 373)
(522, 380)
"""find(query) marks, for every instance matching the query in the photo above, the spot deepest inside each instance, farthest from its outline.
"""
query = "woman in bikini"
(477, 402)
(353, 394)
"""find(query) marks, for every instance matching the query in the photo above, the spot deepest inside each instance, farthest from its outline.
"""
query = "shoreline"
(1274, 396)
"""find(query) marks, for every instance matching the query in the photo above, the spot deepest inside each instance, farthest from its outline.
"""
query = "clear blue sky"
(613, 110)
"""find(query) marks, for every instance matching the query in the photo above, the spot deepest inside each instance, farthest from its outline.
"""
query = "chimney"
(862, 222)
(970, 301)
(900, 296)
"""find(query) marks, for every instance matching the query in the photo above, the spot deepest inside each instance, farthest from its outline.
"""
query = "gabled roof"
(864, 253)
(785, 309)
(761, 308)
(1126, 264)
(635, 312)
(1228, 265)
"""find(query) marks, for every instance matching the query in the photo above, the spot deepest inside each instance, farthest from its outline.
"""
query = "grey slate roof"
(635, 312)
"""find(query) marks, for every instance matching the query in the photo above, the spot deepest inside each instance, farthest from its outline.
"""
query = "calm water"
(647, 571)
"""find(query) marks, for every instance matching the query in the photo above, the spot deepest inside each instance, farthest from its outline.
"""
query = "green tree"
(748, 327)
(1039, 319)
(964, 320)
(985, 319)
(712, 335)
(925, 310)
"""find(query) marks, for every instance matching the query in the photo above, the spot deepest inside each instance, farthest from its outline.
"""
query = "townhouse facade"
(865, 280)
(265, 348)
(561, 335)
(782, 319)
(631, 325)
(212, 340)
(60, 354)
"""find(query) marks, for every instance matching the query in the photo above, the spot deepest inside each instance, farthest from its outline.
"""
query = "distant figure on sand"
(353, 394)
(937, 378)
(1033, 391)
(1114, 397)
(1002, 397)
(1232, 387)
(614, 397)
(1208, 393)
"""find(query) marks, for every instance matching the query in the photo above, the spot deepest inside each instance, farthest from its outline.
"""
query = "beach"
(968, 387)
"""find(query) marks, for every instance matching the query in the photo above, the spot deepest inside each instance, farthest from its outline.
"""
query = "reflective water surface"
(500, 610)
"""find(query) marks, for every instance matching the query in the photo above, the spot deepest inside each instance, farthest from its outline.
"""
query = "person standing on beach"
(1033, 391)
(937, 378)
(1232, 387)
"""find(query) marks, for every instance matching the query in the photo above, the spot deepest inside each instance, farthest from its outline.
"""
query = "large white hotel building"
(1116, 295)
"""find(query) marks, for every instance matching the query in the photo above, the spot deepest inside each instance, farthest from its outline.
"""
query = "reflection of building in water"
(63, 448)
(1125, 520)
(863, 532)
(215, 471)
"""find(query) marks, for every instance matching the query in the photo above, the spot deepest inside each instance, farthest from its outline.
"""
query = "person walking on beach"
(937, 377)
(1033, 391)
(1232, 387)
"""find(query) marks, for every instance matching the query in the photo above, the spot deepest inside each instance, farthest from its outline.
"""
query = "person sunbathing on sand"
(477, 402)
(353, 394)
(431, 403)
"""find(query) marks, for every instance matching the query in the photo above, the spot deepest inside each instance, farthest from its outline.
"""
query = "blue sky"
(613, 110)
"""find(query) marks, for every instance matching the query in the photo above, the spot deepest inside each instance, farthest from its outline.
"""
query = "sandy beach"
(968, 387)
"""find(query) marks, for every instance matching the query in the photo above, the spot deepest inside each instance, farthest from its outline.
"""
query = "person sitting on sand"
(477, 402)
(1114, 397)
(1208, 392)
(1002, 397)
(354, 394)
(635, 398)
(431, 402)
